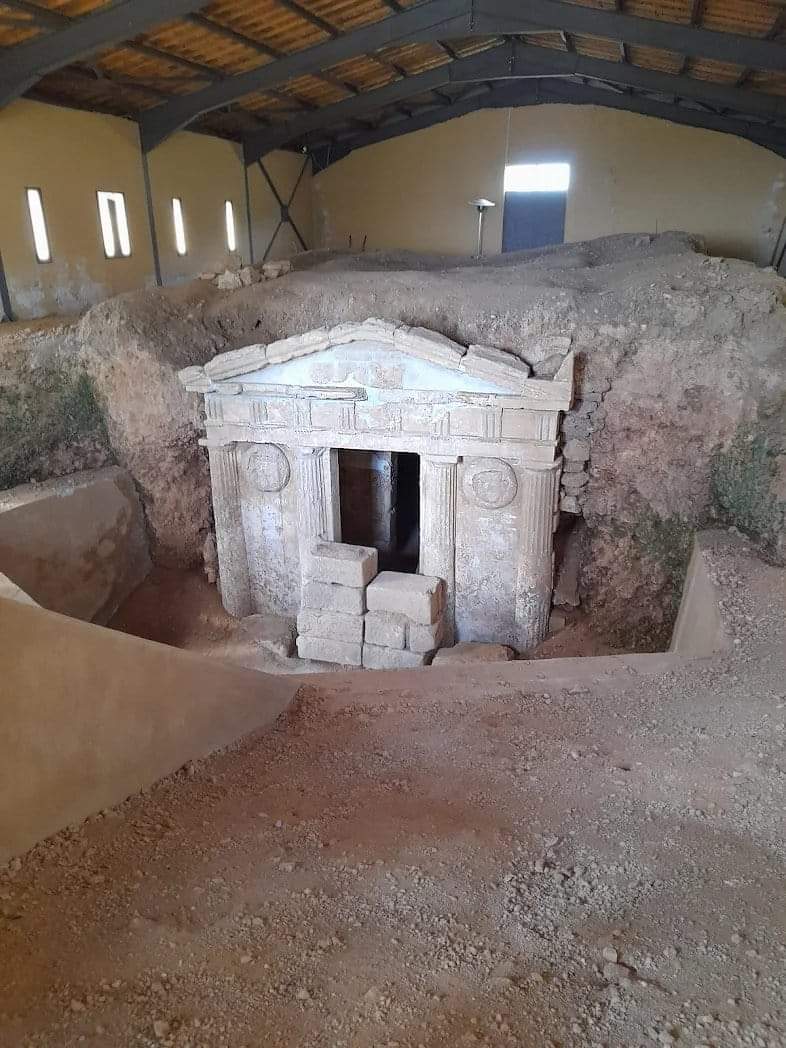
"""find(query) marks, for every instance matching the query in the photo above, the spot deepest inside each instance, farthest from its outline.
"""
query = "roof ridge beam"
(517, 60)
(505, 17)
(518, 94)
(441, 18)
(25, 64)
(512, 60)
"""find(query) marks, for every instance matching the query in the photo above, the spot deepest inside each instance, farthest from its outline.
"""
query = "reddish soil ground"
(436, 865)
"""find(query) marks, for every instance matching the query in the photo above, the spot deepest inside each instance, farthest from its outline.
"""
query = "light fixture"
(482, 205)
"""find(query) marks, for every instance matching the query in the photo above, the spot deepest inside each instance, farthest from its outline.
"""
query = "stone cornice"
(488, 363)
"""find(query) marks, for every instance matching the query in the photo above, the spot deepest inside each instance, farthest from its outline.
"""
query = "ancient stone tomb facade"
(485, 437)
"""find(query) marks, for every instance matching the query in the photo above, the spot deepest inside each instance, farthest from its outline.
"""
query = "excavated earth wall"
(679, 417)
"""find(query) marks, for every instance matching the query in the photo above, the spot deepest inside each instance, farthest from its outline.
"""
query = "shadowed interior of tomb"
(380, 505)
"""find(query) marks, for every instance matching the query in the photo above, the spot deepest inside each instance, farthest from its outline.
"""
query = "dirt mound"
(132, 347)
(50, 422)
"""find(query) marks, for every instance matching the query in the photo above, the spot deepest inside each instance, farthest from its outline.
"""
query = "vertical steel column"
(151, 218)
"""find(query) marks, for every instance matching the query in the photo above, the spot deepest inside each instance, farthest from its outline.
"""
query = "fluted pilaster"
(538, 487)
(318, 506)
(230, 536)
(438, 480)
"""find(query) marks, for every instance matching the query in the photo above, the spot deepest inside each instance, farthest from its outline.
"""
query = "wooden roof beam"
(518, 93)
(515, 60)
(437, 19)
(25, 64)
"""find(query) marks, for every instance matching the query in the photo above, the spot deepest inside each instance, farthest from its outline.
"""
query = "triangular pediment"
(372, 355)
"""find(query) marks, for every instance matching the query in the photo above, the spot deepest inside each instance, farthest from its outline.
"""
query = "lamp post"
(482, 205)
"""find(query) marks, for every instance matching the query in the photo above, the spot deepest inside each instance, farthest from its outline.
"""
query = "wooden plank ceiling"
(144, 73)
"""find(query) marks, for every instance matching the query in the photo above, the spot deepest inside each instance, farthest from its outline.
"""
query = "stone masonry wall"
(353, 616)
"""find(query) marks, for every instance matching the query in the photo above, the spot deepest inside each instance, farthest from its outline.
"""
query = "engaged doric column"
(319, 511)
(230, 537)
(539, 487)
(438, 478)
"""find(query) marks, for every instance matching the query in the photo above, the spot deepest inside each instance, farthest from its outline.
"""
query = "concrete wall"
(699, 630)
(76, 544)
(630, 173)
(89, 716)
(69, 155)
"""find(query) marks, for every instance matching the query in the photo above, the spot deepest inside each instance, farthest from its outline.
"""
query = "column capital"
(538, 467)
(216, 443)
(308, 451)
(441, 460)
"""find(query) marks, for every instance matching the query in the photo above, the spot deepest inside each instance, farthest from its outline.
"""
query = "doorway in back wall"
(535, 202)
(380, 505)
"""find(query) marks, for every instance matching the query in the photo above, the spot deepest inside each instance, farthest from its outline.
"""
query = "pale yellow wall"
(204, 172)
(70, 154)
(630, 173)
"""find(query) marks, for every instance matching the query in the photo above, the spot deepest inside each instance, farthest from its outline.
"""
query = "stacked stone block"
(333, 603)
(404, 624)
(586, 417)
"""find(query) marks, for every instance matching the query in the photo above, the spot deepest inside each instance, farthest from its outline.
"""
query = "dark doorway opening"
(380, 505)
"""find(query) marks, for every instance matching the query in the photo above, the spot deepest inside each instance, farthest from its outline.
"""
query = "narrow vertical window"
(114, 224)
(180, 229)
(35, 207)
(229, 217)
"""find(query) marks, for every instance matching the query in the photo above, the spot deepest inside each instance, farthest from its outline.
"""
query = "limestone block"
(236, 362)
(429, 345)
(229, 280)
(425, 638)
(497, 366)
(386, 629)
(470, 652)
(321, 649)
(419, 597)
(566, 584)
(272, 270)
(573, 467)
(274, 633)
(372, 330)
(569, 504)
(248, 276)
(572, 483)
(546, 346)
(379, 658)
(576, 427)
(297, 346)
(330, 624)
(576, 451)
(341, 563)
(194, 379)
(326, 596)
(548, 367)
